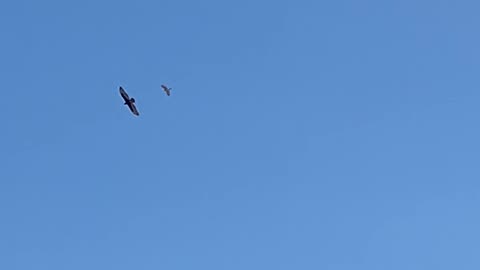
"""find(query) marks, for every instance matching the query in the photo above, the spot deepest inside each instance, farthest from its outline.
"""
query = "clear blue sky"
(331, 135)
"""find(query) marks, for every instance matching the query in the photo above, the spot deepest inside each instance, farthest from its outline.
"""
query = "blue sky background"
(299, 135)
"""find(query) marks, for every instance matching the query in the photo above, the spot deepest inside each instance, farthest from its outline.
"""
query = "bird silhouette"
(166, 89)
(130, 102)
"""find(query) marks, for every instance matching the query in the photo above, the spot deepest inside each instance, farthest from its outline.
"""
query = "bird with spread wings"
(166, 89)
(130, 102)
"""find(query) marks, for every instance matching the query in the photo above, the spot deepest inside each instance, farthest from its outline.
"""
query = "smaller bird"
(130, 102)
(166, 89)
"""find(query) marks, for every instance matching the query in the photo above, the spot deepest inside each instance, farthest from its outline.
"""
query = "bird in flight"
(166, 89)
(130, 102)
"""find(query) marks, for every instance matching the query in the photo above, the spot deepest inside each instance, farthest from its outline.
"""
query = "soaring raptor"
(130, 102)
(166, 89)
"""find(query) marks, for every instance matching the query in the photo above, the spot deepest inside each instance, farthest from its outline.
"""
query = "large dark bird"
(166, 89)
(130, 102)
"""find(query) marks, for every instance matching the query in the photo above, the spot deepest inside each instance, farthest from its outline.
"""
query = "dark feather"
(133, 108)
(124, 94)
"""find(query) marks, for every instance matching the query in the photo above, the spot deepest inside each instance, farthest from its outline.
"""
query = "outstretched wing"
(124, 94)
(133, 108)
